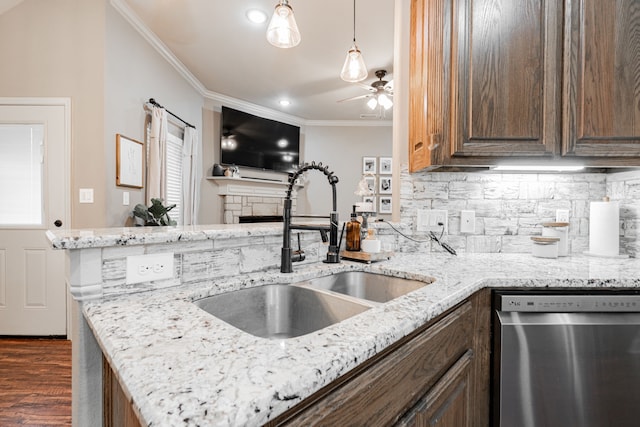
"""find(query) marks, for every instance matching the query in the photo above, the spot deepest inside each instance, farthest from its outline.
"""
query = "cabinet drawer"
(393, 384)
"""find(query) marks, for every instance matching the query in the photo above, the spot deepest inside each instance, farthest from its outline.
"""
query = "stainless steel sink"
(280, 311)
(368, 286)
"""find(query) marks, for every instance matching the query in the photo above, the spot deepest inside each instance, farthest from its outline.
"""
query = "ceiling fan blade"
(389, 86)
(367, 87)
(353, 98)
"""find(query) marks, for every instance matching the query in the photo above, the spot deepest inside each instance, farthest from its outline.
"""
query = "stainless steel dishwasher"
(566, 359)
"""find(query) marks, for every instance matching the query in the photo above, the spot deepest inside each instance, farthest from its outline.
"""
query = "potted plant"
(156, 214)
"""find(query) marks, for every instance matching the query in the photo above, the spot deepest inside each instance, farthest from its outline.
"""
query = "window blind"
(174, 176)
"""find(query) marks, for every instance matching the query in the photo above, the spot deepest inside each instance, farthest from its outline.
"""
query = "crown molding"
(157, 44)
(134, 20)
(354, 123)
(255, 109)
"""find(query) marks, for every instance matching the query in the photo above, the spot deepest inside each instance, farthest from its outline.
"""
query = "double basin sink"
(290, 310)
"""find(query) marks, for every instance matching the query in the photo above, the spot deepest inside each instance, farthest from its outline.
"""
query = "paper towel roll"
(604, 226)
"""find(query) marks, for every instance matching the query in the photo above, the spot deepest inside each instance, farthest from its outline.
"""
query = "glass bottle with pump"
(353, 233)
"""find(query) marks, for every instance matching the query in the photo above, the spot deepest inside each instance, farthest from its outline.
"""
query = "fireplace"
(247, 200)
(260, 218)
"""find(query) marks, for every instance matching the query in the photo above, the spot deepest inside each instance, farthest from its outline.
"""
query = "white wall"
(135, 72)
(342, 148)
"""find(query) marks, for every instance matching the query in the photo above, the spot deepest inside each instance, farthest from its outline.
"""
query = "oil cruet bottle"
(353, 233)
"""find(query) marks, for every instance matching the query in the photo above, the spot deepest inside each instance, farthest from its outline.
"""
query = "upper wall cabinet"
(602, 78)
(534, 79)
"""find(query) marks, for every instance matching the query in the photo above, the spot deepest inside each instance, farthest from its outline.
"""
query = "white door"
(33, 198)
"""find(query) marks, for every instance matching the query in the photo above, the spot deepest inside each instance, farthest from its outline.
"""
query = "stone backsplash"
(509, 208)
(195, 261)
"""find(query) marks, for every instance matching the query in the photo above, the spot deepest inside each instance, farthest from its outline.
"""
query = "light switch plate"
(86, 195)
(125, 198)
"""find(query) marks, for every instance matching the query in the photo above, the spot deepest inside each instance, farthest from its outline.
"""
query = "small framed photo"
(369, 165)
(386, 166)
(129, 162)
(371, 183)
(385, 185)
(385, 205)
(371, 200)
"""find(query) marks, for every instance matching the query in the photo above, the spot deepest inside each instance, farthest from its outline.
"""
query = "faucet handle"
(298, 255)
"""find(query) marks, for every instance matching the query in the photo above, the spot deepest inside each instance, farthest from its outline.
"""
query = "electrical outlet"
(146, 268)
(562, 215)
(431, 220)
(468, 222)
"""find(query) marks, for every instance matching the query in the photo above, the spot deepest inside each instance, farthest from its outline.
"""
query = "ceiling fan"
(381, 92)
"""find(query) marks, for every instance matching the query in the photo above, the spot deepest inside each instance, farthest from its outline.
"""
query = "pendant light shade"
(283, 31)
(354, 70)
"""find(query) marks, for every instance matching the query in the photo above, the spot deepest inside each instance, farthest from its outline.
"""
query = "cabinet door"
(448, 403)
(426, 109)
(506, 71)
(602, 78)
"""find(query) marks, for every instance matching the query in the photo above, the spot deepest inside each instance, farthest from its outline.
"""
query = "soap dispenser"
(353, 232)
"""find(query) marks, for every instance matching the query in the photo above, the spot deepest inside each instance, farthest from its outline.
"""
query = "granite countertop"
(129, 236)
(182, 366)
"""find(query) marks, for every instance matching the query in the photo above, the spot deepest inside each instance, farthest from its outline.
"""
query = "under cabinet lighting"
(534, 168)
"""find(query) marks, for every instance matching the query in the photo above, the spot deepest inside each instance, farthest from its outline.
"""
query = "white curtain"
(156, 182)
(191, 173)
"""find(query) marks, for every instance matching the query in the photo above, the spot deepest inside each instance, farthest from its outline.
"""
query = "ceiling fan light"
(354, 70)
(283, 31)
(372, 103)
(385, 101)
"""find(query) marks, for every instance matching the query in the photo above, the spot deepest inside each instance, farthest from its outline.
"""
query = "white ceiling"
(230, 56)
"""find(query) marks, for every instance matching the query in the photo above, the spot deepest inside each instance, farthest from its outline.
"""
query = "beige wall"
(342, 149)
(135, 72)
(55, 49)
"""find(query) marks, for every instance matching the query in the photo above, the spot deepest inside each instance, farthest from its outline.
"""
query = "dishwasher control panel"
(569, 303)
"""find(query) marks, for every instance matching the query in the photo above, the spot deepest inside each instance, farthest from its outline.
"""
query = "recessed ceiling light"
(284, 102)
(256, 16)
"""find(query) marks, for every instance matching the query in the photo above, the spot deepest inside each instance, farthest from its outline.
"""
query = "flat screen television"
(255, 142)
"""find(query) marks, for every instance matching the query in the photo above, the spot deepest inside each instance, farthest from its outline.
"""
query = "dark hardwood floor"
(35, 382)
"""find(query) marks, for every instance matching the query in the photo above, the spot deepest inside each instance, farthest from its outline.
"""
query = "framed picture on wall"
(371, 183)
(385, 185)
(129, 162)
(371, 200)
(385, 205)
(369, 165)
(386, 166)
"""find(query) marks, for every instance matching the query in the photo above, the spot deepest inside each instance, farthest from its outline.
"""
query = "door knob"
(57, 223)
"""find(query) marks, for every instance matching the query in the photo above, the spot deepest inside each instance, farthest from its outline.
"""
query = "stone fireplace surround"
(254, 199)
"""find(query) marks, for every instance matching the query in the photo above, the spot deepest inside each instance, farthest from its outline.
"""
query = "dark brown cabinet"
(529, 79)
(438, 373)
(602, 79)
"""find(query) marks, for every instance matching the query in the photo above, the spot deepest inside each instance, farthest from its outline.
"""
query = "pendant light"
(354, 69)
(283, 31)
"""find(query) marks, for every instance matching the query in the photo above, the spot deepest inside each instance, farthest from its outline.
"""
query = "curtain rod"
(153, 102)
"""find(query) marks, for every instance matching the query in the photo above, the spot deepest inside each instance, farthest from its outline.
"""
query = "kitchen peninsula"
(178, 365)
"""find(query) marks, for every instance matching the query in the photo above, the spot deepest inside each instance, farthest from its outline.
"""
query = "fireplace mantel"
(251, 197)
(228, 186)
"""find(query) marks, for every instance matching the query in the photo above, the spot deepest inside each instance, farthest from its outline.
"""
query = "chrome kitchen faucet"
(288, 255)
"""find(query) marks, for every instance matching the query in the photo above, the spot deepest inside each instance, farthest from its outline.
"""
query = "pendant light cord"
(354, 21)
